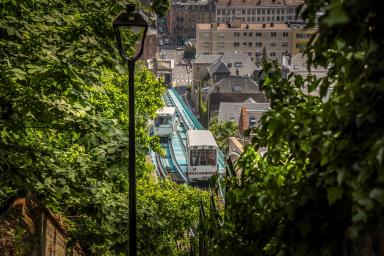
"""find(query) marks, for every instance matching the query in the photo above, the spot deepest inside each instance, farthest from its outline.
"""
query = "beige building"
(258, 11)
(250, 39)
(184, 15)
(300, 37)
(151, 47)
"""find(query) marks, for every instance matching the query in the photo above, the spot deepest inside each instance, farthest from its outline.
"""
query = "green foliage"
(321, 182)
(189, 52)
(222, 131)
(63, 127)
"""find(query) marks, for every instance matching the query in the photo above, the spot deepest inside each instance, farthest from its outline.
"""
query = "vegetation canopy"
(63, 127)
(319, 189)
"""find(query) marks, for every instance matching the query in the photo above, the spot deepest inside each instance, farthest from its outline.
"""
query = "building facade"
(258, 11)
(250, 39)
(184, 15)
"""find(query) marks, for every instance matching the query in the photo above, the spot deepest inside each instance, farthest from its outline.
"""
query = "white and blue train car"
(201, 155)
(165, 122)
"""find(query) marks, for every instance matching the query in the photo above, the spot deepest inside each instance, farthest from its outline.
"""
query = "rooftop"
(256, 26)
(231, 63)
(255, 3)
(166, 111)
(200, 138)
(230, 111)
(207, 59)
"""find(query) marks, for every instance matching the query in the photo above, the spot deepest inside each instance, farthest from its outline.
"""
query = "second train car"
(201, 155)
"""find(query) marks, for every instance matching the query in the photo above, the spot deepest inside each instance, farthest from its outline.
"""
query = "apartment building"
(258, 11)
(250, 39)
(184, 15)
(300, 38)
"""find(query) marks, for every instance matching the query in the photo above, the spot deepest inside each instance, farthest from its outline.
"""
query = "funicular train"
(202, 154)
(165, 122)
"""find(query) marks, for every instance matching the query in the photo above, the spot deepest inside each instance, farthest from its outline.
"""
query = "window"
(244, 44)
(236, 34)
(285, 44)
(273, 44)
(282, 18)
(249, 44)
(272, 54)
(268, 18)
(253, 11)
(277, 18)
(273, 34)
(236, 44)
(273, 18)
(249, 11)
(236, 88)
(285, 34)
(238, 64)
(268, 11)
(259, 34)
(221, 35)
(203, 157)
(250, 34)
(263, 11)
(243, 19)
(258, 44)
(252, 122)
(233, 12)
(258, 11)
(253, 18)
(206, 44)
(258, 18)
(220, 44)
(242, 11)
(206, 34)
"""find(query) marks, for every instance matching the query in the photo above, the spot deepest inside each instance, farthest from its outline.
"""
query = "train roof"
(200, 138)
(166, 111)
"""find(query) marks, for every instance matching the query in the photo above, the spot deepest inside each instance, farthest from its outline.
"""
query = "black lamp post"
(137, 22)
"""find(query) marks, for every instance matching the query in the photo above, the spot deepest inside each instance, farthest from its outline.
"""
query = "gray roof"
(234, 62)
(229, 111)
(218, 67)
(200, 138)
(206, 59)
(226, 85)
(299, 66)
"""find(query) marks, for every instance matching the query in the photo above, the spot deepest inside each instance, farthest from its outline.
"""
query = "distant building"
(232, 89)
(250, 39)
(250, 115)
(151, 47)
(184, 15)
(210, 69)
(162, 68)
(230, 111)
(258, 11)
(232, 64)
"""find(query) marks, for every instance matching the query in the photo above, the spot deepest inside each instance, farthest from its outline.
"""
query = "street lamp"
(133, 25)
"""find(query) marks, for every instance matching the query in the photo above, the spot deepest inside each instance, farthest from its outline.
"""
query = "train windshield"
(163, 121)
(203, 157)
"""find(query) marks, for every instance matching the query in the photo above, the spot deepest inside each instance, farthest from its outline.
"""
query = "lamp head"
(135, 25)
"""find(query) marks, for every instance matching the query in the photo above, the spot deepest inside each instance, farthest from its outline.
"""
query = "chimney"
(237, 72)
(263, 25)
(247, 26)
(272, 24)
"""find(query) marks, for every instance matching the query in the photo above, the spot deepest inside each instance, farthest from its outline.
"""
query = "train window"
(163, 120)
(203, 157)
